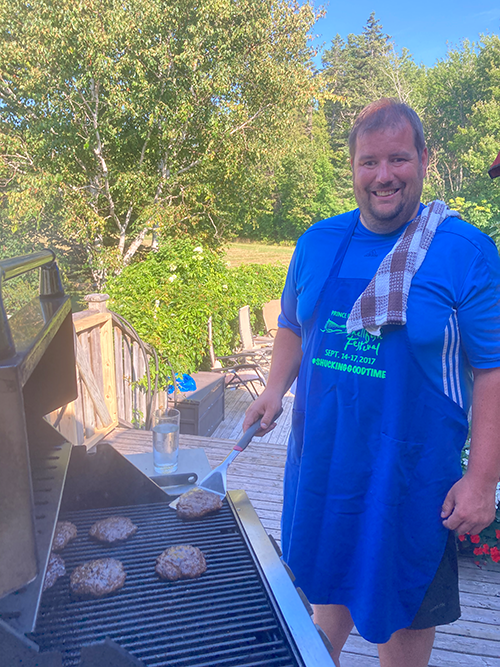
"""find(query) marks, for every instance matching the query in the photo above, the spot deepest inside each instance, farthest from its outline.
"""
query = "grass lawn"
(258, 253)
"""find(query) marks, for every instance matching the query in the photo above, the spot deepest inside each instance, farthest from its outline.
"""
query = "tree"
(462, 120)
(358, 71)
(114, 114)
(355, 73)
(451, 88)
(303, 187)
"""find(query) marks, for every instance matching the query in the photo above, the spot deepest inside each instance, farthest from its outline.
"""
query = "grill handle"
(16, 266)
(244, 441)
(50, 285)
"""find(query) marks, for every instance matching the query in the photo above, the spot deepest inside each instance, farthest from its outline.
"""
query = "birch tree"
(115, 115)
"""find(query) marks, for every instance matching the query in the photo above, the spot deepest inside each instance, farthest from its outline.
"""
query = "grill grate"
(224, 618)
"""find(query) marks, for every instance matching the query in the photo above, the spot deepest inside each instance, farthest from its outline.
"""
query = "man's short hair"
(387, 112)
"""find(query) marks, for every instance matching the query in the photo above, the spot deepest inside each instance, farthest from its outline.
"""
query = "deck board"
(472, 641)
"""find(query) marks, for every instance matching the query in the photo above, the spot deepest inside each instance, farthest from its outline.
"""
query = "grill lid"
(37, 375)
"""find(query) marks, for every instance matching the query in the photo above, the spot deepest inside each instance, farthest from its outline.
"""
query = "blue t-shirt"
(453, 315)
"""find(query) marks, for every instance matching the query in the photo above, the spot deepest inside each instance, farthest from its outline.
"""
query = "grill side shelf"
(303, 635)
(49, 469)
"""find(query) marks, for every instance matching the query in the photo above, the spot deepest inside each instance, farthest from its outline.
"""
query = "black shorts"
(441, 603)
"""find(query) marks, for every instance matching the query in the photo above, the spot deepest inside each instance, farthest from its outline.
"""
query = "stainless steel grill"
(244, 611)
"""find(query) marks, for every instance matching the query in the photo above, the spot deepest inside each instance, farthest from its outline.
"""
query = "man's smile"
(385, 193)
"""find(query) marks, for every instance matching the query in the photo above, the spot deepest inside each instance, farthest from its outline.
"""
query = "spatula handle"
(251, 431)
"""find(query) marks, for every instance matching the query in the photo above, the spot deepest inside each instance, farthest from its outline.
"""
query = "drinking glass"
(166, 440)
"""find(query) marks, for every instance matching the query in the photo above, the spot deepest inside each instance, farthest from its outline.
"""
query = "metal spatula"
(215, 481)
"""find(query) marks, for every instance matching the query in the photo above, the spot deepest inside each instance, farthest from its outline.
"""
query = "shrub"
(170, 295)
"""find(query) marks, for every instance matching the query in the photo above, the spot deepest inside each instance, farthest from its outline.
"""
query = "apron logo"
(349, 368)
(340, 355)
(362, 341)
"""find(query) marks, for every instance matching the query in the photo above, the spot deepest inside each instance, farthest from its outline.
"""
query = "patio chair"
(257, 348)
(270, 313)
(236, 367)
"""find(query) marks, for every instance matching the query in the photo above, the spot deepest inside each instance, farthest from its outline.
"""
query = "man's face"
(388, 176)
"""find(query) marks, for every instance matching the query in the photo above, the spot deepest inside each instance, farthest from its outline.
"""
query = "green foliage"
(462, 120)
(479, 214)
(170, 295)
(450, 88)
(124, 121)
(123, 118)
(302, 188)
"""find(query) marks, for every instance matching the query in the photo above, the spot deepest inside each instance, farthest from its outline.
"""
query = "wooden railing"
(114, 387)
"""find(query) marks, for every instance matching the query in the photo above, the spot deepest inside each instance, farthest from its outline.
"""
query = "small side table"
(190, 460)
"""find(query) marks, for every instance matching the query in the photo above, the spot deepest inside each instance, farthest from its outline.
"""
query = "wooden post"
(120, 398)
(109, 363)
(107, 376)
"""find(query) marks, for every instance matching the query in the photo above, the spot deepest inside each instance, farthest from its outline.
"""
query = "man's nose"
(384, 173)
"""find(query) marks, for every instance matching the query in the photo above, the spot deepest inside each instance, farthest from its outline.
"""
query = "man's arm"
(285, 364)
(470, 504)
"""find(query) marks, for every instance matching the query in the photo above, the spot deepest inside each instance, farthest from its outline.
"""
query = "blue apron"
(374, 449)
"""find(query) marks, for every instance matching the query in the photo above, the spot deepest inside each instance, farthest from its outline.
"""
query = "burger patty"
(181, 562)
(65, 532)
(55, 569)
(196, 503)
(113, 529)
(97, 578)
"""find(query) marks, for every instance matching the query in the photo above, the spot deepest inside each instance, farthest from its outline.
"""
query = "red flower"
(486, 548)
(497, 534)
(495, 554)
(475, 539)
(478, 551)
(462, 537)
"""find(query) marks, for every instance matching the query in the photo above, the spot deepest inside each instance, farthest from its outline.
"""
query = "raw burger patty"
(196, 503)
(114, 529)
(55, 569)
(97, 577)
(65, 532)
(181, 562)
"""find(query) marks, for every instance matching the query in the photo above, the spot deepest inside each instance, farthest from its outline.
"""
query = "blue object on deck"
(184, 383)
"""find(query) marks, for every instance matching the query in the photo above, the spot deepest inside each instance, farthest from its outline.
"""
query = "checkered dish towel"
(385, 299)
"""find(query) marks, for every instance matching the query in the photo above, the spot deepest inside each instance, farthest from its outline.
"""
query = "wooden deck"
(472, 641)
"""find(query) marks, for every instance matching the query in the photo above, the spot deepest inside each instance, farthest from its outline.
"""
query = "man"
(373, 488)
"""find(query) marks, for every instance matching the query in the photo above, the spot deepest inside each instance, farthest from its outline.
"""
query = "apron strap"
(339, 259)
(344, 245)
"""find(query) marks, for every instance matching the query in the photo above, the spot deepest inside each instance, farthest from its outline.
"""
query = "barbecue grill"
(243, 611)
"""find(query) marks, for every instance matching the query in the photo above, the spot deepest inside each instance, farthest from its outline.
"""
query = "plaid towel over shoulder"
(385, 299)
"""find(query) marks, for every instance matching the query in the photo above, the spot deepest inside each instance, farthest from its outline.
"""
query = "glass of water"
(166, 440)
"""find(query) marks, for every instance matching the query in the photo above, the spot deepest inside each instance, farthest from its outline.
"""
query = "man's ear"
(425, 160)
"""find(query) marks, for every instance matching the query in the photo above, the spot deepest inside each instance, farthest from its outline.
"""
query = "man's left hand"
(469, 507)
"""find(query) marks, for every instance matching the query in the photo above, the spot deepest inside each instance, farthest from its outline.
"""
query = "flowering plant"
(486, 545)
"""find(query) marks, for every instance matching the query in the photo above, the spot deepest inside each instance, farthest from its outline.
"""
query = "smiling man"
(391, 323)
(388, 173)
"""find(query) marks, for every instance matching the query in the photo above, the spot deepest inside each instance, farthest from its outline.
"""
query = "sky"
(425, 27)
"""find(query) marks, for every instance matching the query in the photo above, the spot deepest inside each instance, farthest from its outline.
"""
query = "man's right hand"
(287, 354)
(266, 406)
